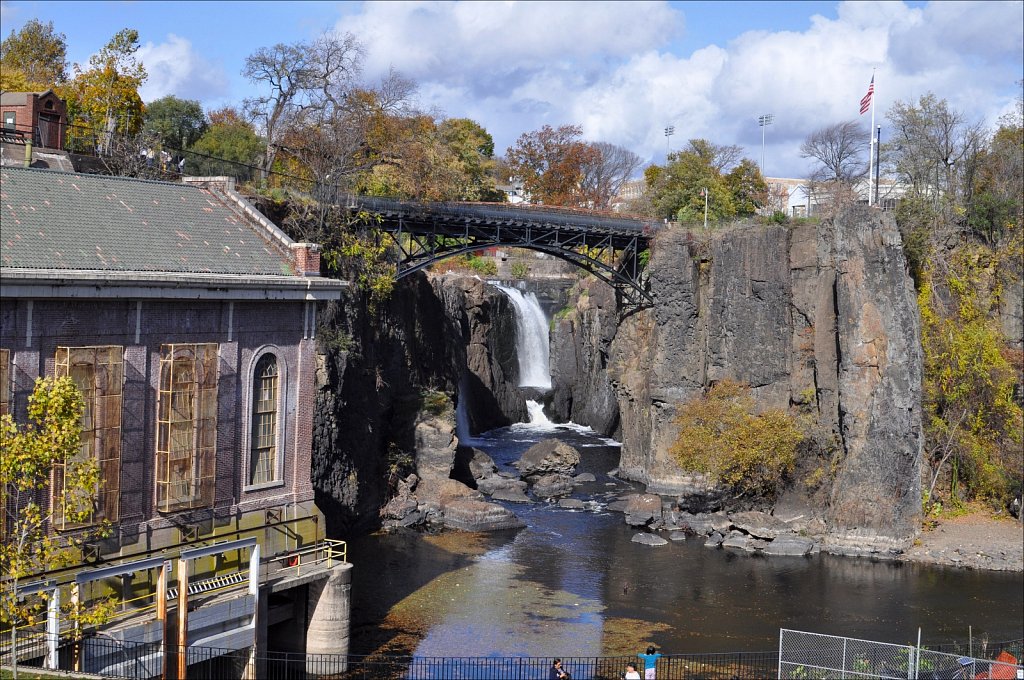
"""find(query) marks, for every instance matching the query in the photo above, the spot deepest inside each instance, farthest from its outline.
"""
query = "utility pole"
(705, 192)
(764, 121)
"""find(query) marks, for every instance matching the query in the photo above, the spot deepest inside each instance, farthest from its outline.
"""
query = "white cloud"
(174, 68)
(605, 66)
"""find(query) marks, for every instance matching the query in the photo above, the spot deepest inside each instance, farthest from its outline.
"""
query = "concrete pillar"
(330, 605)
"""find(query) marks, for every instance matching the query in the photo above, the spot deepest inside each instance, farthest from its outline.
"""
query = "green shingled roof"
(56, 220)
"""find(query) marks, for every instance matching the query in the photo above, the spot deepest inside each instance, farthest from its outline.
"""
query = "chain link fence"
(807, 656)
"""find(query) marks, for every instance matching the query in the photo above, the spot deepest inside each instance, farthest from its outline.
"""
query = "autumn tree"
(177, 123)
(840, 152)
(550, 162)
(30, 454)
(104, 99)
(997, 207)
(38, 53)
(296, 77)
(747, 450)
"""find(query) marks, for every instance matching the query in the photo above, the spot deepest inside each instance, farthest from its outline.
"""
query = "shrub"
(520, 270)
(721, 435)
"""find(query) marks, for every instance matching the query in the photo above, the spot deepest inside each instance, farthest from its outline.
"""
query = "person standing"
(650, 659)
(631, 673)
(556, 672)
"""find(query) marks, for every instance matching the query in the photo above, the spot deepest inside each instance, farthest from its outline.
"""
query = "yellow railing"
(327, 550)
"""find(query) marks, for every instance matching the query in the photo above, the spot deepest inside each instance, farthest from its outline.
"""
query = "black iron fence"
(114, 658)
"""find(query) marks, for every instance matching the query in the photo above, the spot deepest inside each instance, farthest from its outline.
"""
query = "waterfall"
(462, 431)
(532, 343)
(537, 416)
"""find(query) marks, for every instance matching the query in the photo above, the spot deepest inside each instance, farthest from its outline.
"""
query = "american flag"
(865, 102)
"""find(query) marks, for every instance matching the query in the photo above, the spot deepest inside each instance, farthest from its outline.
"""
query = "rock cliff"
(817, 317)
(388, 381)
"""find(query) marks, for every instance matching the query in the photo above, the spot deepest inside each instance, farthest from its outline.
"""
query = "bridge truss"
(608, 247)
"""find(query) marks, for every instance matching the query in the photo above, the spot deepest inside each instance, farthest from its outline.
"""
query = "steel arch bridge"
(608, 247)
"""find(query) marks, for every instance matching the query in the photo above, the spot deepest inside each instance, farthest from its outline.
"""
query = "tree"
(473, 147)
(998, 208)
(747, 186)
(722, 434)
(230, 146)
(721, 157)
(935, 151)
(38, 52)
(303, 75)
(104, 100)
(178, 123)
(839, 150)
(609, 168)
(550, 162)
(50, 442)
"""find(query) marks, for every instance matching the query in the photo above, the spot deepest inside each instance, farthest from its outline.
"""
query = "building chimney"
(307, 258)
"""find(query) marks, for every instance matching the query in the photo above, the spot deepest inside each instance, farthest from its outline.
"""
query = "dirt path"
(976, 541)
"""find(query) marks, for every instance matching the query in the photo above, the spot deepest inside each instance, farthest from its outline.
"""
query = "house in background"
(188, 321)
(34, 124)
(40, 117)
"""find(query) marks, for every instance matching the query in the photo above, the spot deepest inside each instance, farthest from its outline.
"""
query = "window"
(98, 372)
(5, 382)
(263, 449)
(186, 445)
(10, 120)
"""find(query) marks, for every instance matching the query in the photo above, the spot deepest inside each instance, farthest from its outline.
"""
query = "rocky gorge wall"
(388, 382)
(820, 318)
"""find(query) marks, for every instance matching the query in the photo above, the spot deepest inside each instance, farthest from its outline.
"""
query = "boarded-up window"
(99, 374)
(263, 454)
(5, 382)
(186, 442)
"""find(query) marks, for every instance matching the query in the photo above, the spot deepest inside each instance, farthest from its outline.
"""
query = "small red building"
(40, 117)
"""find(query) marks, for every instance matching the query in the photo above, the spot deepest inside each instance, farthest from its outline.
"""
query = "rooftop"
(68, 221)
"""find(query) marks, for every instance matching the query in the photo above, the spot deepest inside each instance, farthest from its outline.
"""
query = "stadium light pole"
(669, 131)
(764, 121)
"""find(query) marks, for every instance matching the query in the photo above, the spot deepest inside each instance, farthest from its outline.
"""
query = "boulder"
(473, 515)
(739, 540)
(512, 494)
(677, 536)
(642, 509)
(644, 538)
(790, 545)
(584, 477)
(547, 457)
(491, 485)
(551, 485)
(571, 504)
(481, 466)
(759, 524)
(714, 540)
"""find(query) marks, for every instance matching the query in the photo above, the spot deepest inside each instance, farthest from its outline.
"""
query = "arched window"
(263, 447)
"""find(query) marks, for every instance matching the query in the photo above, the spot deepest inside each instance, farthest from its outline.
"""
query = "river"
(573, 584)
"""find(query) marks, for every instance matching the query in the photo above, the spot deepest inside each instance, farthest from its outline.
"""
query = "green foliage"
(28, 456)
(520, 270)
(104, 100)
(677, 189)
(38, 53)
(972, 419)
(469, 264)
(644, 257)
(436, 403)
(231, 138)
(178, 123)
(722, 435)
(334, 339)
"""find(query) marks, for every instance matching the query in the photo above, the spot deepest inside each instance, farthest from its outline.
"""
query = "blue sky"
(623, 71)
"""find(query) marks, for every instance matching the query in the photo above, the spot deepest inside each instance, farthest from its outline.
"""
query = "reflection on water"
(573, 584)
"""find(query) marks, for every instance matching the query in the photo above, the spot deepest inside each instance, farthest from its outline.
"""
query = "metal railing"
(324, 551)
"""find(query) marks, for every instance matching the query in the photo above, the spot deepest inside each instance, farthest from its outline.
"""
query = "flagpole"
(872, 147)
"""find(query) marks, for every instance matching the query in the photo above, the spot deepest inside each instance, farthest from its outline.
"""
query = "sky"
(623, 71)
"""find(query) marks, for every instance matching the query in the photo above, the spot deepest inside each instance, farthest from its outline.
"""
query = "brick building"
(40, 117)
(188, 321)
